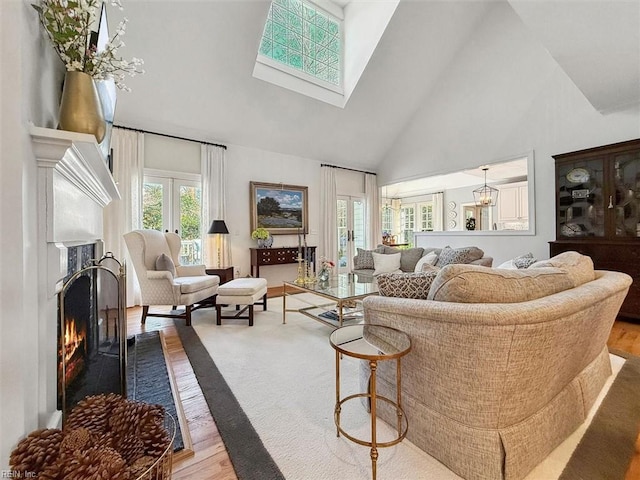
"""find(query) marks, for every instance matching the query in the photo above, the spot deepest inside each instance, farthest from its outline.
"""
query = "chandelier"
(485, 196)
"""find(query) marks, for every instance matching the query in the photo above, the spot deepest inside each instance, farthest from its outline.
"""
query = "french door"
(351, 230)
(174, 204)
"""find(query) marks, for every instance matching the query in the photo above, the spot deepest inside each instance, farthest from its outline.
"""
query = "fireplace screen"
(92, 333)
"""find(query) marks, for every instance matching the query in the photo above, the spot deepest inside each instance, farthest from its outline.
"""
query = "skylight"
(319, 48)
(305, 40)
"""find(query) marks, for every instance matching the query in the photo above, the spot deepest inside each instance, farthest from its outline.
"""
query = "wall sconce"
(219, 228)
(485, 196)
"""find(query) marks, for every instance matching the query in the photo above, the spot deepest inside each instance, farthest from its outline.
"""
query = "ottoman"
(241, 291)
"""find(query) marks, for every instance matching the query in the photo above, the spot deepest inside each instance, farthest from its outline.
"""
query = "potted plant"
(263, 237)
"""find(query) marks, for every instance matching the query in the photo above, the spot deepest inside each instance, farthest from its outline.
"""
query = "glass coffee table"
(372, 343)
(344, 292)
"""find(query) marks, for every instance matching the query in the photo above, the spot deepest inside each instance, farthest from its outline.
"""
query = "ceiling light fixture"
(485, 196)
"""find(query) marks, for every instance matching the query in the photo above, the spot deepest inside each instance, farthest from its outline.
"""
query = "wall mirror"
(446, 202)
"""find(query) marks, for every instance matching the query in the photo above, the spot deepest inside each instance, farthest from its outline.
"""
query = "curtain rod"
(347, 168)
(169, 136)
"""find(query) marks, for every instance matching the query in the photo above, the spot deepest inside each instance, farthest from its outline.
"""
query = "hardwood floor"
(210, 460)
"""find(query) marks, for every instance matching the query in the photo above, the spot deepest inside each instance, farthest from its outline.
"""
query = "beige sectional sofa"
(505, 364)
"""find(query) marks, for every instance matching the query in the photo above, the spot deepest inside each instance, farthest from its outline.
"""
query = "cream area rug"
(283, 377)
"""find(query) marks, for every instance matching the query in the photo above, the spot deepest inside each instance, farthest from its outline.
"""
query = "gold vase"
(80, 108)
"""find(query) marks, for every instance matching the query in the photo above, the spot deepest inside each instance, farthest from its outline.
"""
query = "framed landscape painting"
(281, 209)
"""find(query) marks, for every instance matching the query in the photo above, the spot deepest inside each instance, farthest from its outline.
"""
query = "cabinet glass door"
(626, 195)
(581, 205)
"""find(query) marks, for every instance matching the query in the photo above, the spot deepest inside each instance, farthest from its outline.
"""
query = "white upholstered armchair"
(163, 281)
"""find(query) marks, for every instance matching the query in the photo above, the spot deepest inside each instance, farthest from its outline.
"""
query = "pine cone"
(51, 472)
(130, 448)
(153, 415)
(93, 412)
(37, 451)
(141, 465)
(125, 419)
(155, 439)
(76, 439)
(107, 439)
(96, 463)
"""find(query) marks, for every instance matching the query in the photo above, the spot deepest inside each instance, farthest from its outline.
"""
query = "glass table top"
(342, 286)
(370, 342)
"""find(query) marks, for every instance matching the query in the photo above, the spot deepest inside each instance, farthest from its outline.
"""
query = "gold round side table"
(373, 343)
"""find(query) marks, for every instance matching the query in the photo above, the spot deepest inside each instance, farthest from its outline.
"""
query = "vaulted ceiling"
(199, 56)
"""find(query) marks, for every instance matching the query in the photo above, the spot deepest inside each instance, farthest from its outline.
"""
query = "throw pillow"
(522, 261)
(409, 257)
(386, 263)
(429, 259)
(450, 255)
(364, 260)
(164, 262)
(405, 285)
(430, 268)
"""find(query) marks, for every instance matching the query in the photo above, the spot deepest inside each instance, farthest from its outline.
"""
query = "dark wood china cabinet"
(598, 211)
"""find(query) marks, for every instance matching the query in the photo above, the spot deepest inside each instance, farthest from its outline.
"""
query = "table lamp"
(220, 228)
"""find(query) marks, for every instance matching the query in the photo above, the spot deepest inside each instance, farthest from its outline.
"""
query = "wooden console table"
(277, 256)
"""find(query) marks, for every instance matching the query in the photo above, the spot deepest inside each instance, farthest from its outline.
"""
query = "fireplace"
(91, 328)
(74, 188)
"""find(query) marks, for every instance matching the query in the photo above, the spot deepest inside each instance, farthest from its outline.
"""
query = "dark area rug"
(248, 455)
(606, 449)
(148, 378)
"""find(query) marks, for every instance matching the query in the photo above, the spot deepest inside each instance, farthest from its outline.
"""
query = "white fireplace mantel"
(76, 157)
(74, 187)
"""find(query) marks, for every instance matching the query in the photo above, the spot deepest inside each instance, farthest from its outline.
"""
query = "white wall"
(30, 80)
(503, 95)
(164, 153)
(246, 164)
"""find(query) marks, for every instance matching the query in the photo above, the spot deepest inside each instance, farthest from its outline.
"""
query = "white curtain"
(328, 214)
(438, 212)
(372, 194)
(122, 216)
(213, 171)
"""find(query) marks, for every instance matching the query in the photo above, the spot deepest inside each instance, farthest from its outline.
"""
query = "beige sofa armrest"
(190, 270)
(160, 275)
(158, 287)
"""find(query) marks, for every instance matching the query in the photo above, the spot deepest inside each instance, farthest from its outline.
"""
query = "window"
(426, 216)
(172, 203)
(408, 223)
(305, 40)
(351, 229)
(387, 219)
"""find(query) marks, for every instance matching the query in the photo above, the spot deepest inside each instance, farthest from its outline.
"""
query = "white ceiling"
(199, 56)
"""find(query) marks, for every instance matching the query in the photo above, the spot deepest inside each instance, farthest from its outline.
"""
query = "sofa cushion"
(164, 262)
(477, 284)
(405, 285)
(521, 261)
(364, 260)
(429, 259)
(386, 263)
(579, 267)
(450, 255)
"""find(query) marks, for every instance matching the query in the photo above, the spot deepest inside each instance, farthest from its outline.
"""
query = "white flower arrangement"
(68, 26)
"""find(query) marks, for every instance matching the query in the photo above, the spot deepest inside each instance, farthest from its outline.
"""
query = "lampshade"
(218, 226)
(485, 196)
